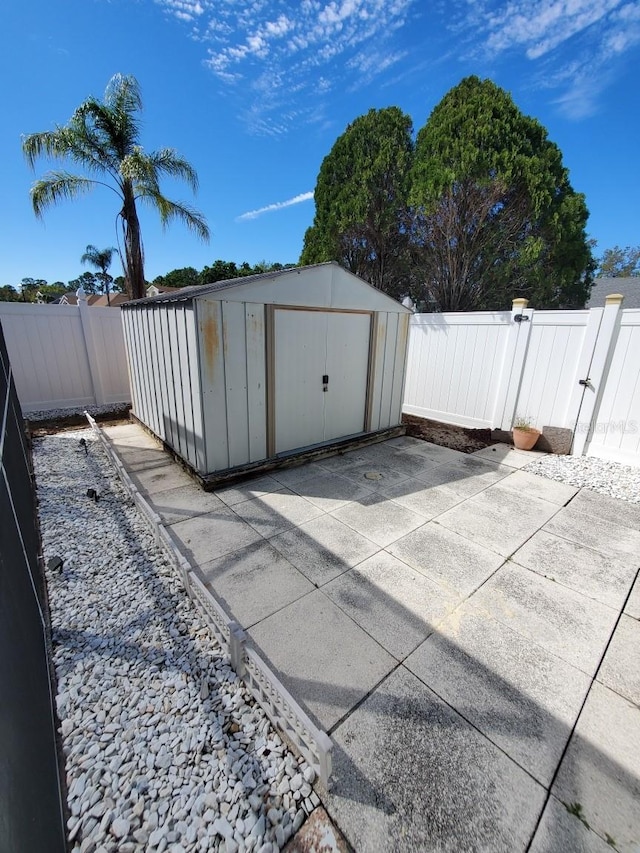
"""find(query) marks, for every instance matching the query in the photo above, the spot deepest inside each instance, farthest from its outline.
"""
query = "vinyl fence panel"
(615, 431)
(65, 355)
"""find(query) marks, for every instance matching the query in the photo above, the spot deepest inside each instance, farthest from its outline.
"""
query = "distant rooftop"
(628, 286)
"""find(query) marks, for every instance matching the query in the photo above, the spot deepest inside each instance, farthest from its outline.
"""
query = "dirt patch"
(447, 435)
(59, 424)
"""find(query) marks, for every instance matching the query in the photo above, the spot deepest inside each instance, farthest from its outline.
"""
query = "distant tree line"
(618, 262)
(217, 271)
(39, 290)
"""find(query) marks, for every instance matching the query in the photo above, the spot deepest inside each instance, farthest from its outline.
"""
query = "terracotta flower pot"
(525, 439)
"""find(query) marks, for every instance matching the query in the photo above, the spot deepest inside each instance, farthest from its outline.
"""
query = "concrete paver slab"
(456, 563)
(249, 489)
(288, 476)
(604, 536)
(524, 699)
(272, 513)
(435, 452)
(507, 455)
(410, 464)
(160, 478)
(184, 502)
(539, 487)
(569, 625)
(323, 548)
(622, 513)
(583, 569)
(465, 478)
(135, 458)
(379, 519)
(254, 582)
(632, 607)
(620, 668)
(411, 774)
(206, 537)
(405, 442)
(339, 462)
(599, 773)
(399, 607)
(375, 475)
(130, 434)
(561, 831)
(323, 658)
(328, 490)
(427, 501)
(498, 518)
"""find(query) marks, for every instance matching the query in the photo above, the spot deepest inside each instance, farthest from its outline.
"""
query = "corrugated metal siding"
(163, 354)
(233, 382)
(199, 374)
(389, 365)
(347, 365)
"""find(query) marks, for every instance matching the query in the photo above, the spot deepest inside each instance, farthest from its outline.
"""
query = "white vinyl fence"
(576, 370)
(64, 356)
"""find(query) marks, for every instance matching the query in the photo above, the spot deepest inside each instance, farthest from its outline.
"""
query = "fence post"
(92, 353)
(513, 365)
(598, 371)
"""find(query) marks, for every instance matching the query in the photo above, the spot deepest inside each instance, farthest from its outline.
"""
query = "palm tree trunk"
(134, 258)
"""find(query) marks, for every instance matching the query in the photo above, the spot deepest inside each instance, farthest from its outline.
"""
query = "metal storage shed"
(236, 373)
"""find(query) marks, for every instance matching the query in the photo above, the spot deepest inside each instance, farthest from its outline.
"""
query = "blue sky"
(255, 93)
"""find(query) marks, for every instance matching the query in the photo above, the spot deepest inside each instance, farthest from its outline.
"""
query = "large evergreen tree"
(494, 213)
(361, 200)
(103, 137)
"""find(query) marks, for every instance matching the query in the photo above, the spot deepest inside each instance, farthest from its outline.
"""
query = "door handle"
(586, 382)
(325, 382)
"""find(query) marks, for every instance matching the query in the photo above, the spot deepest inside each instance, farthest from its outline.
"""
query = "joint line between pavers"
(584, 702)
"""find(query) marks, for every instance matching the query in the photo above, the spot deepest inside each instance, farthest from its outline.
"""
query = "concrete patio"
(468, 633)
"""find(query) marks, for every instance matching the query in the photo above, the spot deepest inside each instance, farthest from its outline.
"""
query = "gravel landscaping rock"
(607, 478)
(61, 414)
(164, 747)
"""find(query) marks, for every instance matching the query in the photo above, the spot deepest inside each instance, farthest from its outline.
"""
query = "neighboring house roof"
(97, 299)
(155, 289)
(628, 286)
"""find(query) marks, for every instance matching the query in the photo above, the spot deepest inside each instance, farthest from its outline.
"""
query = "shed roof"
(248, 283)
(628, 286)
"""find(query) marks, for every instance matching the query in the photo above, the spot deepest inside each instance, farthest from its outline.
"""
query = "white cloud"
(575, 45)
(278, 205)
(304, 50)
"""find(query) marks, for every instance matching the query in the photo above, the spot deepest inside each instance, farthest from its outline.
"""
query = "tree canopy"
(361, 200)
(495, 213)
(103, 138)
(100, 259)
(478, 211)
(620, 262)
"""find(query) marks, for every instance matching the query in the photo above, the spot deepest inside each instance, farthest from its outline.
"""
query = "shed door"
(308, 346)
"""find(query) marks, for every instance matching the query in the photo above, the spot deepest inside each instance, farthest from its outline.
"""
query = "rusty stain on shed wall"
(210, 335)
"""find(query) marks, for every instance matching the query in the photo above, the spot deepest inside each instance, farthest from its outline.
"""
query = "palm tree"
(103, 138)
(100, 259)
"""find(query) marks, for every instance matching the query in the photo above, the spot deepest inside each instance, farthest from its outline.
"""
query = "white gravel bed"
(57, 414)
(164, 747)
(608, 478)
